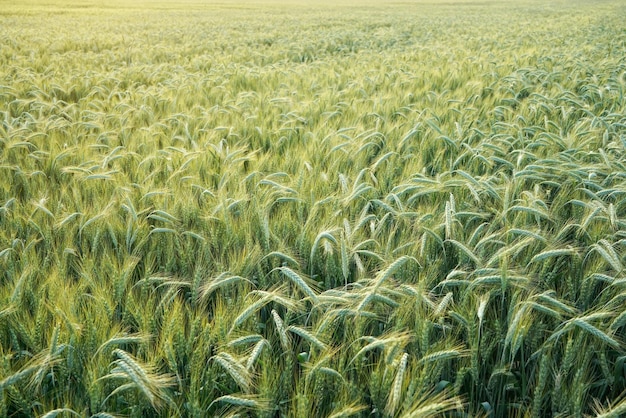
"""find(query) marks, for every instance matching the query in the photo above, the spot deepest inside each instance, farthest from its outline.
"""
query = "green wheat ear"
(223, 280)
(391, 270)
(56, 412)
(299, 282)
(235, 370)
(246, 401)
(348, 411)
(396, 388)
(140, 377)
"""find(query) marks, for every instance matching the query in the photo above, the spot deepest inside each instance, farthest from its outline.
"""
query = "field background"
(312, 209)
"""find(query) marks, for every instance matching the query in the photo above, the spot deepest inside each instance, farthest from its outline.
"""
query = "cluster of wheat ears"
(313, 210)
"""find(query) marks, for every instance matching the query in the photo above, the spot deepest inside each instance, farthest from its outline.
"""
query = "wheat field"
(312, 209)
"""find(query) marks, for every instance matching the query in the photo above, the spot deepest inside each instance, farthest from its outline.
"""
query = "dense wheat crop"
(313, 210)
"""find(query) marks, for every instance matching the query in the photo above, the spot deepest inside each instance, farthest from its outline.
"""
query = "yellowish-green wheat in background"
(312, 209)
